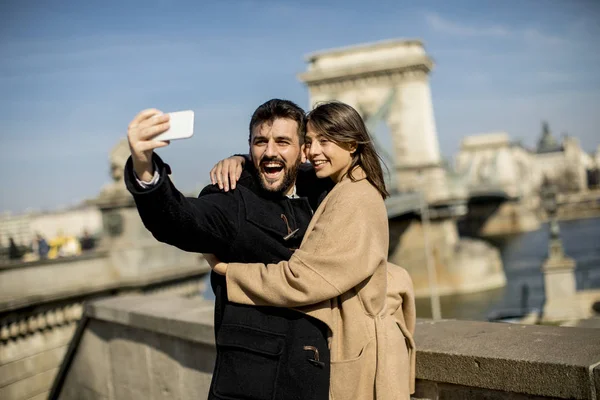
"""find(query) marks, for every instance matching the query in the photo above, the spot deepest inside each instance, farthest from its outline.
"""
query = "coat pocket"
(355, 378)
(247, 363)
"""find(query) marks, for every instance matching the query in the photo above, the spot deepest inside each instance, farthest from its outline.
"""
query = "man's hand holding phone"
(151, 129)
(140, 134)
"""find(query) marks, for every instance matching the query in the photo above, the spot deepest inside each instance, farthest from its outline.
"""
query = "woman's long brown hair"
(344, 126)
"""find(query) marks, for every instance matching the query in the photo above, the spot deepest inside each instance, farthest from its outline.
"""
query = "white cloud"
(530, 36)
(446, 26)
(534, 37)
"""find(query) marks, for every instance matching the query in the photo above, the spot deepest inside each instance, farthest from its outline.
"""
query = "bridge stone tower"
(389, 81)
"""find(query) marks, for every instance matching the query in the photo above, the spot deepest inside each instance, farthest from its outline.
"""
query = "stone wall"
(29, 363)
(33, 341)
(158, 347)
(41, 302)
(162, 348)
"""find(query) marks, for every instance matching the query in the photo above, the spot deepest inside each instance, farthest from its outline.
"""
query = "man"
(262, 352)
(87, 241)
(42, 246)
(13, 250)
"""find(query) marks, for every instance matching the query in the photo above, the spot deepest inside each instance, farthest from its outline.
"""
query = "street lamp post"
(558, 269)
(550, 205)
(436, 312)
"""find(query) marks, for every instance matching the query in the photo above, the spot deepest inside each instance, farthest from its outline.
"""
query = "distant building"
(564, 164)
(17, 227)
(492, 160)
(547, 143)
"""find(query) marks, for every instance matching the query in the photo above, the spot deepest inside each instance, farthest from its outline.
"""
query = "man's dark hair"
(277, 108)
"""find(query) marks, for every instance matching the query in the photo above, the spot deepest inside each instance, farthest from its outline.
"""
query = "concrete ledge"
(86, 276)
(538, 360)
(88, 255)
(455, 359)
(189, 319)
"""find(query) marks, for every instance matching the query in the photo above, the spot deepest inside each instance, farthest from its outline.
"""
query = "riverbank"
(522, 257)
(582, 205)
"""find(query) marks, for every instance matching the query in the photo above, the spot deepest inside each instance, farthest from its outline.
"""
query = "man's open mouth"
(272, 169)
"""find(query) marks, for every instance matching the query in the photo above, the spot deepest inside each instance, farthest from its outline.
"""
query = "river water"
(523, 256)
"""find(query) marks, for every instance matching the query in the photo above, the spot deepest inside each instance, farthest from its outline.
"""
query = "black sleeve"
(246, 158)
(206, 224)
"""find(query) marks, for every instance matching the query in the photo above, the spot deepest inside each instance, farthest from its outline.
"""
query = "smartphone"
(182, 126)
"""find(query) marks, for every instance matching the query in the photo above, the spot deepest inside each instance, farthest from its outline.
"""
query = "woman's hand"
(226, 172)
(220, 268)
(215, 264)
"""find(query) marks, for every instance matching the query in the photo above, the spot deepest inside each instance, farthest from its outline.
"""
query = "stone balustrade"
(41, 303)
(162, 347)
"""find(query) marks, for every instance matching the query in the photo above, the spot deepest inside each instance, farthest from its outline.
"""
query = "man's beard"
(289, 177)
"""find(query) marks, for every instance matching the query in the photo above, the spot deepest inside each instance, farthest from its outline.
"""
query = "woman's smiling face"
(328, 158)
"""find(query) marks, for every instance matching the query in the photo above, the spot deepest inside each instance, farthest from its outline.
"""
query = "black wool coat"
(262, 352)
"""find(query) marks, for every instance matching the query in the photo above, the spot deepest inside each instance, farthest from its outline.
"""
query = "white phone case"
(182, 126)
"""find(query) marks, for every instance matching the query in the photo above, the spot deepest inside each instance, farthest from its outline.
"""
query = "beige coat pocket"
(396, 363)
(354, 378)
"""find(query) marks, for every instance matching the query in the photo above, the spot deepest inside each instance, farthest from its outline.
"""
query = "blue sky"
(73, 74)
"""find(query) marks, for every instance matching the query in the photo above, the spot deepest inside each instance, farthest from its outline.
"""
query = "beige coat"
(340, 275)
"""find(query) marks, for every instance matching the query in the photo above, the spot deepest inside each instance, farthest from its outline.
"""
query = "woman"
(340, 273)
